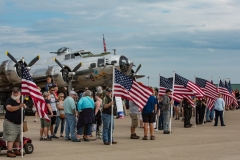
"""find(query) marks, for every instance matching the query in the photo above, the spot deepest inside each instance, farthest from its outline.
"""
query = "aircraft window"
(100, 62)
(113, 62)
(72, 56)
(93, 65)
(67, 56)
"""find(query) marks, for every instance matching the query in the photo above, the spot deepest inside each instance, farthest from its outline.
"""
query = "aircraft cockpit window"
(93, 65)
(72, 56)
(67, 56)
(100, 62)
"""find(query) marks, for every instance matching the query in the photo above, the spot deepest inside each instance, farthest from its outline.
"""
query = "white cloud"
(186, 36)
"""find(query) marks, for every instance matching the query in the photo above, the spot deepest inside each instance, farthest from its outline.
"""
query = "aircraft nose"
(125, 65)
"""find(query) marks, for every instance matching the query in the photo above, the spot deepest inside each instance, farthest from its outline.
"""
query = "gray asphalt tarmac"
(203, 142)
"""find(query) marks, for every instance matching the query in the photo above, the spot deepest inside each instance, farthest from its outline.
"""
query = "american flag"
(183, 86)
(30, 88)
(210, 90)
(233, 99)
(225, 93)
(129, 89)
(104, 45)
(166, 83)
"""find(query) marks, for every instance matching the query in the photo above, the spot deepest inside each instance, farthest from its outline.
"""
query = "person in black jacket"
(187, 113)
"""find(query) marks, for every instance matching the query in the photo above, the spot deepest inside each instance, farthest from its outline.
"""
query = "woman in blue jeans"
(61, 117)
(85, 115)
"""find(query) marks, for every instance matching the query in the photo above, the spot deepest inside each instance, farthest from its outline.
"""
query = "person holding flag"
(12, 123)
(106, 118)
(166, 111)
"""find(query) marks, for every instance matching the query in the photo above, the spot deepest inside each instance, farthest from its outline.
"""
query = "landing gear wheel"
(28, 147)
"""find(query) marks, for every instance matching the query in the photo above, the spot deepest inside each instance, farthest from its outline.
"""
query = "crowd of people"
(81, 114)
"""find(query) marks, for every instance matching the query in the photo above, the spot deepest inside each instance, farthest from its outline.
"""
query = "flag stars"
(123, 80)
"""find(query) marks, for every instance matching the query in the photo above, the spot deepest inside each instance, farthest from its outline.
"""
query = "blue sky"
(192, 37)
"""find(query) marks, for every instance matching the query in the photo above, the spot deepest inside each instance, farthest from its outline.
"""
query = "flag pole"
(22, 113)
(113, 80)
(195, 107)
(171, 110)
(157, 117)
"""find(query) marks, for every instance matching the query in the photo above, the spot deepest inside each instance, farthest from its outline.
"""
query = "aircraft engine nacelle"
(58, 76)
(10, 73)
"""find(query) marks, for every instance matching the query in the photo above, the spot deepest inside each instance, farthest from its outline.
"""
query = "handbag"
(25, 128)
(62, 114)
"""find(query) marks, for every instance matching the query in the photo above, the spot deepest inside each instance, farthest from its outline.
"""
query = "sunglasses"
(52, 90)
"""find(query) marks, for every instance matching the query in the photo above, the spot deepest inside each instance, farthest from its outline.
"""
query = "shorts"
(11, 131)
(149, 118)
(134, 118)
(53, 118)
(45, 123)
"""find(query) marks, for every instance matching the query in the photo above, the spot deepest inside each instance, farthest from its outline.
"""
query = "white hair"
(99, 90)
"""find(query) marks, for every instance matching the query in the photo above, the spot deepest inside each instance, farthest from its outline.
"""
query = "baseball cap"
(15, 89)
(109, 89)
(168, 90)
(73, 92)
(86, 88)
(51, 85)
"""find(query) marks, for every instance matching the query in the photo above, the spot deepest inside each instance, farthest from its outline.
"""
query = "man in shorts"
(149, 116)
(45, 125)
(12, 123)
(134, 111)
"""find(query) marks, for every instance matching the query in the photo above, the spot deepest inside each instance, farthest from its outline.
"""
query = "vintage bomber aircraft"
(76, 70)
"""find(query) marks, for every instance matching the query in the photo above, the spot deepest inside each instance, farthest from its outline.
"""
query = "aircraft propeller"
(19, 67)
(69, 74)
(135, 74)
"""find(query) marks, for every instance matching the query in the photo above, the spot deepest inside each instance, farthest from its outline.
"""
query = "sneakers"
(40, 138)
(106, 143)
(11, 154)
(35, 120)
(76, 140)
(152, 138)
(134, 136)
(18, 153)
(47, 139)
(145, 138)
(166, 132)
(54, 136)
(113, 142)
(68, 139)
(86, 139)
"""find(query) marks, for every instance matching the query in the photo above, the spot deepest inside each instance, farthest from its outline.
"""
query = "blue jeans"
(209, 114)
(106, 118)
(58, 120)
(166, 118)
(160, 121)
(212, 114)
(70, 126)
(88, 128)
